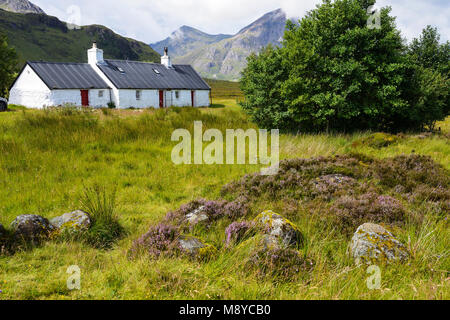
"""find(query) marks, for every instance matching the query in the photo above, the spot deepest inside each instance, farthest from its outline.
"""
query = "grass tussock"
(106, 229)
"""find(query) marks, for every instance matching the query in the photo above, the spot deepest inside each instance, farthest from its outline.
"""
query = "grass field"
(48, 158)
(224, 90)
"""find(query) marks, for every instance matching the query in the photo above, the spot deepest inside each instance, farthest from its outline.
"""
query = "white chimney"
(165, 59)
(95, 55)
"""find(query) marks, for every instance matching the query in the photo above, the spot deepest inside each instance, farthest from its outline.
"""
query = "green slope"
(42, 37)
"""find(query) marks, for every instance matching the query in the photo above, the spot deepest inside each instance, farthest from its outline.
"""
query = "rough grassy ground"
(47, 158)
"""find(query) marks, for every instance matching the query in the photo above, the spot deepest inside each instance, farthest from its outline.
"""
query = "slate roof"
(143, 75)
(61, 75)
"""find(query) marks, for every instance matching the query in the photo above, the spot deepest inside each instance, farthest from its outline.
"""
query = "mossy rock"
(280, 229)
(196, 248)
(72, 222)
(379, 140)
(31, 228)
(373, 244)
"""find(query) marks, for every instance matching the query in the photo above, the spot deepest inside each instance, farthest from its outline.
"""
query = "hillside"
(42, 37)
(187, 39)
(20, 6)
(225, 59)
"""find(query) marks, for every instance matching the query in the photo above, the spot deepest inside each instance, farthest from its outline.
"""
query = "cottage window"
(177, 94)
(100, 94)
(138, 94)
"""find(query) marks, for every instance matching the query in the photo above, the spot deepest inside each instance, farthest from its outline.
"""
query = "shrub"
(111, 105)
(100, 204)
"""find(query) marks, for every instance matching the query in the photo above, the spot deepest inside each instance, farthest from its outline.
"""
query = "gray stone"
(197, 216)
(372, 244)
(31, 227)
(280, 229)
(72, 221)
(195, 247)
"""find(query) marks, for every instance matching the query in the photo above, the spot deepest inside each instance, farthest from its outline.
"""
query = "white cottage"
(100, 82)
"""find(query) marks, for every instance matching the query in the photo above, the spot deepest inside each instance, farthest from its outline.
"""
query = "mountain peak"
(273, 17)
(20, 6)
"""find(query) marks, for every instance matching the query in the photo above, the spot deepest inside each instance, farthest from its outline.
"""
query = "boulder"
(72, 221)
(279, 229)
(195, 247)
(31, 228)
(373, 244)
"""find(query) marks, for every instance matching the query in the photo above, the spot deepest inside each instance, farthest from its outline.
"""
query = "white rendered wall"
(149, 99)
(30, 91)
(115, 91)
(61, 97)
(202, 98)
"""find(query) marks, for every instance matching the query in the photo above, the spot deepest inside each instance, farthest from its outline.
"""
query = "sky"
(154, 20)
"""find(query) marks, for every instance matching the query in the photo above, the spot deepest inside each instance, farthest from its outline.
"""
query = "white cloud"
(154, 20)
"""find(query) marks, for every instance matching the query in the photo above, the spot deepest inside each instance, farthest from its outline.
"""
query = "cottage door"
(85, 98)
(193, 98)
(161, 99)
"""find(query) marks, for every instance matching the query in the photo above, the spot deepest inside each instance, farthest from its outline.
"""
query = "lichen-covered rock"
(280, 229)
(72, 221)
(373, 244)
(195, 247)
(197, 216)
(32, 228)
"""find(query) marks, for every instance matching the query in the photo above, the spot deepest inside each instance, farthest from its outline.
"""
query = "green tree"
(344, 75)
(430, 89)
(334, 72)
(261, 84)
(428, 52)
(8, 65)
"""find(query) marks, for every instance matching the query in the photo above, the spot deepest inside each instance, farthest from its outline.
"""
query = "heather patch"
(157, 241)
(302, 178)
(410, 172)
(166, 241)
(350, 212)
(208, 212)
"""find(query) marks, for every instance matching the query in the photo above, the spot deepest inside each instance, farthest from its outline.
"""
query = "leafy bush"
(100, 204)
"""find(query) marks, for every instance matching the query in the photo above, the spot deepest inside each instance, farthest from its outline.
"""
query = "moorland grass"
(47, 158)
